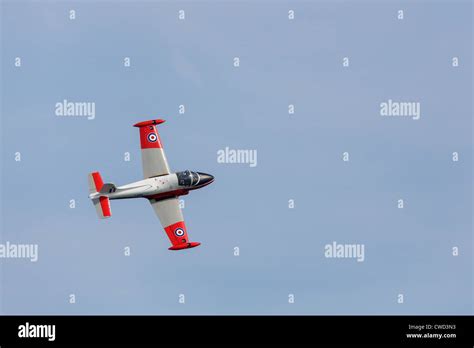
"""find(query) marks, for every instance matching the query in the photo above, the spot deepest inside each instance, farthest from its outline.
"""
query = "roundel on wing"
(179, 232)
(152, 138)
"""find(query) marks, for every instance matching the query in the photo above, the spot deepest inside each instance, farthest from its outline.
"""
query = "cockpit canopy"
(188, 178)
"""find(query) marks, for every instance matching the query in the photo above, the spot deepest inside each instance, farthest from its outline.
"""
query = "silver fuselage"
(143, 188)
(174, 184)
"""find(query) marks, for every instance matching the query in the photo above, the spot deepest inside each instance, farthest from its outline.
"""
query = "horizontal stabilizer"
(102, 206)
(95, 182)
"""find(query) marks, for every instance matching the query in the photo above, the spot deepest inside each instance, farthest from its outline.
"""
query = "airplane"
(160, 186)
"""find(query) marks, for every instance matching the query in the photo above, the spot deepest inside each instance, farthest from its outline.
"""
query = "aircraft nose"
(206, 179)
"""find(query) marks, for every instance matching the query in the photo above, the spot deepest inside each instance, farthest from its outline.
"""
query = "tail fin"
(108, 188)
(101, 203)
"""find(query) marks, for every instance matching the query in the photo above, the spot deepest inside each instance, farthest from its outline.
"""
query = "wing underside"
(153, 156)
(171, 218)
(155, 164)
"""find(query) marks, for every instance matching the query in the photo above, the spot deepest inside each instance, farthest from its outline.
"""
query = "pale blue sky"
(300, 157)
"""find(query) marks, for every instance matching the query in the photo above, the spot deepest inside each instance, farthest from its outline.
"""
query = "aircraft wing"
(153, 156)
(171, 218)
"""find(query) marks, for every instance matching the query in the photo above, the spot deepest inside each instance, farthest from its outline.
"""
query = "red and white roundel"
(179, 232)
(152, 138)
